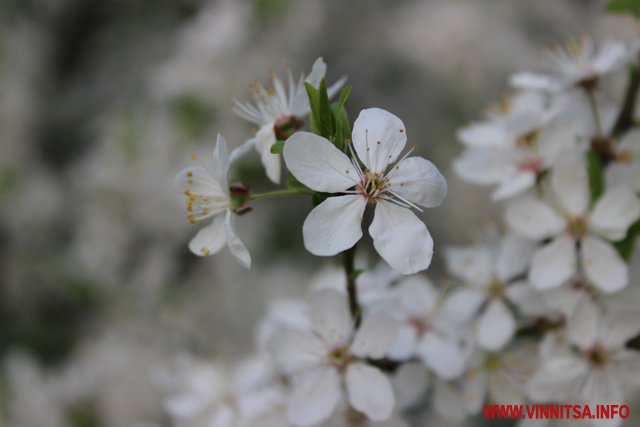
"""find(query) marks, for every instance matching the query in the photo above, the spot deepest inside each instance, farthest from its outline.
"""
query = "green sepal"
(625, 246)
(355, 274)
(277, 147)
(321, 118)
(318, 198)
(596, 176)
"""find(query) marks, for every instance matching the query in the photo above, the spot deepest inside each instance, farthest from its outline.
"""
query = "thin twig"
(348, 258)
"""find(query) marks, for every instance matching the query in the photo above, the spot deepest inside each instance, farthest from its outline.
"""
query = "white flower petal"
(553, 264)
(314, 397)
(603, 265)
(620, 328)
(318, 164)
(370, 391)
(582, 328)
(475, 391)
(484, 135)
(409, 383)
(449, 402)
(517, 184)
(615, 211)
(210, 239)
(334, 225)
(417, 295)
(404, 346)
(318, 71)
(400, 238)
(534, 219)
(496, 326)
(418, 181)
(473, 265)
(198, 180)
(378, 138)
(612, 54)
(375, 336)
(485, 166)
(221, 160)
(265, 138)
(528, 301)
(513, 257)
(532, 81)
(237, 248)
(442, 355)
(557, 379)
(330, 316)
(295, 350)
(570, 184)
(602, 387)
(461, 306)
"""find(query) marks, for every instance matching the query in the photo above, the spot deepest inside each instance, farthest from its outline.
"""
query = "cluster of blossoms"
(532, 313)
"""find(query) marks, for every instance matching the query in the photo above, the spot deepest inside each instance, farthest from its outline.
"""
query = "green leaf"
(596, 176)
(314, 104)
(321, 121)
(625, 246)
(344, 95)
(625, 6)
(277, 147)
(342, 126)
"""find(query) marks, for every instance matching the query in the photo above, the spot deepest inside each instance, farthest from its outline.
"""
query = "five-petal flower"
(398, 235)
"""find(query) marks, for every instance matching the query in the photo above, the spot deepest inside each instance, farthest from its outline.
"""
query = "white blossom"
(577, 63)
(319, 361)
(379, 137)
(207, 193)
(579, 235)
(278, 112)
(598, 368)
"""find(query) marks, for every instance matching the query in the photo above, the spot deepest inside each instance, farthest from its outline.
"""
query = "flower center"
(528, 139)
(495, 289)
(597, 356)
(372, 186)
(419, 324)
(577, 228)
(492, 362)
(285, 126)
(340, 358)
(531, 165)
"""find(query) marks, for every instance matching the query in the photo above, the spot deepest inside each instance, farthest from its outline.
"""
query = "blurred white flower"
(207, 192)
(625, 166)
(493, 280)
(421, 333)
(578, 63)
(600, 367)
(318, 361)
(400, 238)
(214, 396)
(278, 112)
(515, 148)
(499, 377)
(579, 235)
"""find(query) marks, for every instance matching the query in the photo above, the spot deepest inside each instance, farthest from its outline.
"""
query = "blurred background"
(102, 102)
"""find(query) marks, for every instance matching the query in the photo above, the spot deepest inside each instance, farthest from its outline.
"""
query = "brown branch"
(348, 258)
(625, 120)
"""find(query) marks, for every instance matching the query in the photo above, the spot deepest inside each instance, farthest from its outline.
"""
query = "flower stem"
(624, 122)
(348, 258)
(594, 109)
(278, 193)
